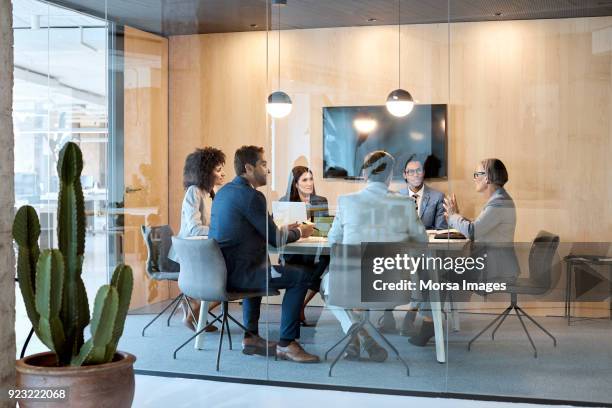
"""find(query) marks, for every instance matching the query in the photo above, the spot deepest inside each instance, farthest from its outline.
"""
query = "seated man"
(374, 214)
(242, 226)
(430, 208)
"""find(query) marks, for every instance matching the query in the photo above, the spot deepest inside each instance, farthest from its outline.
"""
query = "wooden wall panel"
(534, 93)
(145, 153)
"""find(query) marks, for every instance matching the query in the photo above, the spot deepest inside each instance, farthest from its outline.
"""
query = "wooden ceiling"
(175, 17)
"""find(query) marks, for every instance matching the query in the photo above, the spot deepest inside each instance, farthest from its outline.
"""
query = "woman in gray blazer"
(203, 171)
(301, 188)
(493, 230)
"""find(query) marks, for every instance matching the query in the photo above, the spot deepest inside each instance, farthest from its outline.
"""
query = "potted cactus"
(92, 372)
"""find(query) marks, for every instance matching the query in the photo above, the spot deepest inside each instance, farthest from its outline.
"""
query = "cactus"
(26, 230)
(123, 282)
(51, 283)
(49, 287)
(102, 326)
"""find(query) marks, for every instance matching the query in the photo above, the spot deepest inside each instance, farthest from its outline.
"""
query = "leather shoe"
(426, 333)
(258, 345)
(374, 350)
(386, 323)
(353, 350)
(294, 352)
(408, 329)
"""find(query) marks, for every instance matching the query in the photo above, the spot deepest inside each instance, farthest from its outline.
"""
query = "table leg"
(610, 290)
(436, 310)
(199, 341)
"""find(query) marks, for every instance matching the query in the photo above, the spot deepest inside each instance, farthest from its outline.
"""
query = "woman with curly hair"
(203, 172)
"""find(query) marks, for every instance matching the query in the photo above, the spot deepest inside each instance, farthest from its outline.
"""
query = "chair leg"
(506, 313)
(229, 316)
(191, 310)
(174, 309)
(388, 343)
(348, 334)
(538, 324)
(176, 299)
(487, 327)
(353, 333)
(25, 345)
(223, 324)
(226, 312)
(535, 350)
(196, 335)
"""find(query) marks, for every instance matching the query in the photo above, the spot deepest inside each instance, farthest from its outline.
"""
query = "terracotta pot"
(105, 385)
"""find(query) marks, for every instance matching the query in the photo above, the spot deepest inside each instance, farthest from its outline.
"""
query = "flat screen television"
(351, 132)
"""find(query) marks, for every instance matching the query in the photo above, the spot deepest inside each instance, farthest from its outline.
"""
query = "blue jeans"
(295, 280)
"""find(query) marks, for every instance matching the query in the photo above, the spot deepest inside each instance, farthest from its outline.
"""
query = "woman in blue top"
(301, 188)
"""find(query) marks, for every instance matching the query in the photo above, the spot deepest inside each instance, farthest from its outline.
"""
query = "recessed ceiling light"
(372, 20)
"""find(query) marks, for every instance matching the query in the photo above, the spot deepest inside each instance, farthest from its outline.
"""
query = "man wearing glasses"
(430, 208)
(430, 202)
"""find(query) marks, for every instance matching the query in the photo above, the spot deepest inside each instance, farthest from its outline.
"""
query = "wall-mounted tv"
(351, 132)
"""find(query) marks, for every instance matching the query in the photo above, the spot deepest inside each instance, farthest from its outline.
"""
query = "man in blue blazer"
(430, 202)
(242, 226)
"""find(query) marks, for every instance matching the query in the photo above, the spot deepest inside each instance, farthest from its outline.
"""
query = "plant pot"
(104, 385)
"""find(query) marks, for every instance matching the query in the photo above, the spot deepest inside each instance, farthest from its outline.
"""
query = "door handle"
(129, 190)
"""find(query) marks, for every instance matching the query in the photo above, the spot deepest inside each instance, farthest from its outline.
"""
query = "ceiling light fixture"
(399, 102)
(279, 103)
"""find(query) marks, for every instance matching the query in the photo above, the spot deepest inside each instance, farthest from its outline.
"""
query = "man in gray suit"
(430, 202)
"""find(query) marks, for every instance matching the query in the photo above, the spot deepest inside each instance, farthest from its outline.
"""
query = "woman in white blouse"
(203, 172)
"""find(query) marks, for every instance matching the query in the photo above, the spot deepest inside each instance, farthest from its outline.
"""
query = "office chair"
(541, 279)
(159, 267)
(344, 291)
(204, 277)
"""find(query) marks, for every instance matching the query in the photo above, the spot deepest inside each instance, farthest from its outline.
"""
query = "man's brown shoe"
(295, 352)
(258, 345)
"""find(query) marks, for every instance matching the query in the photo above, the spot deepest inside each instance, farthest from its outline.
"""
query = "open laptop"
(288, 212)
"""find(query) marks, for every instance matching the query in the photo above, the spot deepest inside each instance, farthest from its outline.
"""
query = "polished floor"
(578, 369)
(153, 392)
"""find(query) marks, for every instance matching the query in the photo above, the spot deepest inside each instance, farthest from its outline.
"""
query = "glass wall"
(60, 96)
(528, 85)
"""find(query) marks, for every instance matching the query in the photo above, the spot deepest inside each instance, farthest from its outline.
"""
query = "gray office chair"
(204, 277)
(159, 267)
(543, 276)
(344, 290)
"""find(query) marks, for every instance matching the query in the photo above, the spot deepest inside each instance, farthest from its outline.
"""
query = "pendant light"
(399, 102)
(279, 103)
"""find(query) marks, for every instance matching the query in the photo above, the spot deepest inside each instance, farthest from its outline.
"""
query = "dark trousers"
(295, 280)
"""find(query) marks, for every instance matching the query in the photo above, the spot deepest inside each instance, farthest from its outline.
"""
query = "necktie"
(416, 201)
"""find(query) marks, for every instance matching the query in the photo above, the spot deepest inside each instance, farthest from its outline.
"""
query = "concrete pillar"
(7, 270)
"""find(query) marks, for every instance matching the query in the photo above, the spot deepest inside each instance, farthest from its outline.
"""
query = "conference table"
(321, 246)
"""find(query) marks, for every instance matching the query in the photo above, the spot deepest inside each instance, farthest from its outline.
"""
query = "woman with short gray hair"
(496, 222)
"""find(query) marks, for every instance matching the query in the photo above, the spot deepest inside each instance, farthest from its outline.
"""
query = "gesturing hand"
(450, 206)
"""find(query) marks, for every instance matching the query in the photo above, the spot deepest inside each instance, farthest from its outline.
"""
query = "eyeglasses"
(412, 172)
(479, 173)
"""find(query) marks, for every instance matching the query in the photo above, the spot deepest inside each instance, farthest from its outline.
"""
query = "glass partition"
(60, 96)
(535, 94)
(511, 299)
(326, 169)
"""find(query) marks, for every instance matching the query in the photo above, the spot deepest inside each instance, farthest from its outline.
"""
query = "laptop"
(288, 212)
